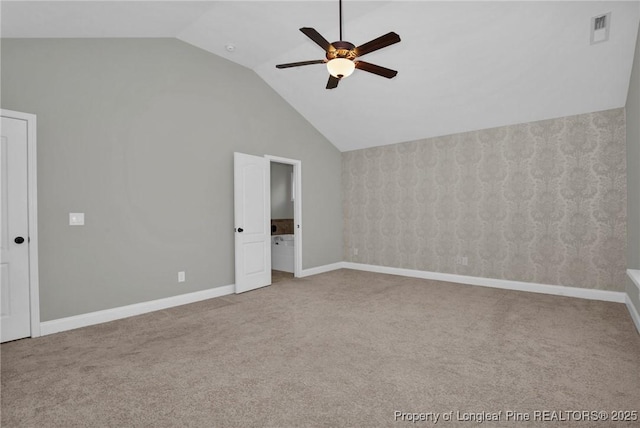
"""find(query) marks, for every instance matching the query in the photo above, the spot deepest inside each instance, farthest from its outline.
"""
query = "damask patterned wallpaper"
(539, 202)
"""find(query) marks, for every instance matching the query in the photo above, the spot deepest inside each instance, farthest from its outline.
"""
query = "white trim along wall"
(84, 320)
(99, 317)
(558, 290)
(634, 274)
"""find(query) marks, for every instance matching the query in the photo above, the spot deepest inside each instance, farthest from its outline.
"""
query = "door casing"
(297, 210)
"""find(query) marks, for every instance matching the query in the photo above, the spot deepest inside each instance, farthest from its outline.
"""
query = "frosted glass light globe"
(341, 67)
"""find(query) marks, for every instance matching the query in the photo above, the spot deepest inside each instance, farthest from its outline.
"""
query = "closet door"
(14, 254)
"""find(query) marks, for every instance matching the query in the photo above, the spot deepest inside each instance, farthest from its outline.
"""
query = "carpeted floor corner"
(341, 349)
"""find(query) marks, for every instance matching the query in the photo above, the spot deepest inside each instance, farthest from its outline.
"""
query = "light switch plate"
(76, 219)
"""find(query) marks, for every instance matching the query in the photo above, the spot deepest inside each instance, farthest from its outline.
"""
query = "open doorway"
(286, 231)
(252, 218)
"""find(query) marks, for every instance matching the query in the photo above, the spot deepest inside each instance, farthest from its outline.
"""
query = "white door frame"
(297, 210)
(32, 189)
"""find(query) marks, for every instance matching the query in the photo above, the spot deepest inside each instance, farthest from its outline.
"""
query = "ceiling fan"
(341, 55)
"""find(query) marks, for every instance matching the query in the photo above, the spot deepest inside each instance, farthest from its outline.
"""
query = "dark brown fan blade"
(376, 69)
(333, 82)
(316, 37)
(298, 64)
(379, 43)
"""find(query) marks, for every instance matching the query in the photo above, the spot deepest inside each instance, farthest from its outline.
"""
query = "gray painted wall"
(538, 202)
(633, 173)
(281, 203)
(139, 135)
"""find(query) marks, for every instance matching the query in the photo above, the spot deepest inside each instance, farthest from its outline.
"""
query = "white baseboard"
(634, 274)
(559, 290)
(635, 316)
(321, 269)
(92, 318)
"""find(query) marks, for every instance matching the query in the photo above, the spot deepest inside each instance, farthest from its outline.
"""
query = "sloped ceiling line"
(462, 66)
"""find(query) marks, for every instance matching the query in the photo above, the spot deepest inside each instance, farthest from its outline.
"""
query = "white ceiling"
(462, 66)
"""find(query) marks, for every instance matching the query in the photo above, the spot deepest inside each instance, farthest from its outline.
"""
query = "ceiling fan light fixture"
(341, 55)
(341, 67)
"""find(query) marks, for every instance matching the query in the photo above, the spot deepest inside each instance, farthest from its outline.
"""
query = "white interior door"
(252, 212)
(14, 236)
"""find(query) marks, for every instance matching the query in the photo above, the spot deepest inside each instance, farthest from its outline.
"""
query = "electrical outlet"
(181, 276)
(76, 219)
(355, 251)
(462, 260)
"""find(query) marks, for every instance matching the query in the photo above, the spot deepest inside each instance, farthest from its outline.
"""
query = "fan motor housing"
(341, 49)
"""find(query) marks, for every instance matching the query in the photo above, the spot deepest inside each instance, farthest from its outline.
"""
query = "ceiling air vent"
(600, 28)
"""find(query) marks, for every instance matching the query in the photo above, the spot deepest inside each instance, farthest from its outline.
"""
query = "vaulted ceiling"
(462, 66)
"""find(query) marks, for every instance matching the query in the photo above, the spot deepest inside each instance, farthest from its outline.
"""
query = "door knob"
(19, 240)
(240, 230)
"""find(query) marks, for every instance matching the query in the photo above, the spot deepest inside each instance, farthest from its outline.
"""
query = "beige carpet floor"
(341, 349)
(279, 276)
